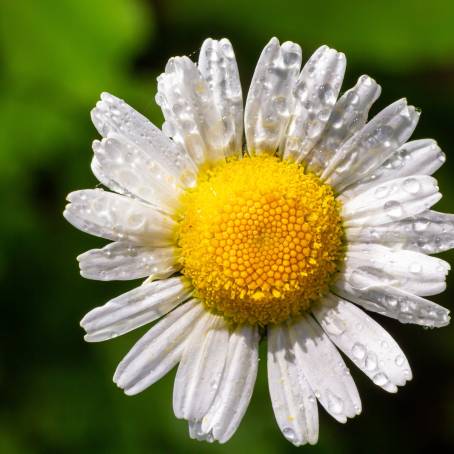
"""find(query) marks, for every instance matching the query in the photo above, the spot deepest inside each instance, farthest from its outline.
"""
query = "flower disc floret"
(260, 239)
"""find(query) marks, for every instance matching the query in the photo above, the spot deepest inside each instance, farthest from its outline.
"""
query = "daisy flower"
(284, 236)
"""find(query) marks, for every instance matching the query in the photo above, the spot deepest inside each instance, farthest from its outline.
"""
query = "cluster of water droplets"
(118, 218)
(217, 64)
(123, 261)
(192, 118)
(135, 308)
(368, 345)
(430, 232)
(114, 118)
(413, 158)
(372, 144)
(348, 115)
(269, 103)
(315, 94)
(391, 200)
(407, 270)
(364, 288)
(137, 172)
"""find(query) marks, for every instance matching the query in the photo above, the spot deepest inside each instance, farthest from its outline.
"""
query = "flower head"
(283, 237)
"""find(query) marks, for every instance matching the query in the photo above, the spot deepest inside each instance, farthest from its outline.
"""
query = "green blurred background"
(56, 57)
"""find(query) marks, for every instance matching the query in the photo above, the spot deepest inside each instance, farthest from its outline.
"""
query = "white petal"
(135, 308)
(418, 157)
(391, 201)
(364, 341)
(201, 367)
(294, 402)
(270, 100)
(366, 290)
(408, 270)
(159, 350)
(118, 218)
(113, 117)
(429, 232)
(217, 64)
(235, 389)
(124, 261)
(315, 95)
(192, 118)
(325, 370)
(138, 173)
(349, 115)
(372, 145)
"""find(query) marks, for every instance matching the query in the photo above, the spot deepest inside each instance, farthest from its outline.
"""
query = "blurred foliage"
(55, 59)
(398, 34)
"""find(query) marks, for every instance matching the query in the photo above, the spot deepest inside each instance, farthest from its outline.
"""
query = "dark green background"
(56, 57)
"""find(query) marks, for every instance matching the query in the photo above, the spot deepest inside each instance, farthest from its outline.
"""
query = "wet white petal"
(118, 218)
(348, 116)
(408, 270)
(124, 261)
(391, 201)
(325, 369)
(372, 145)
(159, 350)
(113, 117)
(364, 289)
(235, 388)
(364, 341)
(294, 402)
(429, 232)
(192, 118)
(201, 367)
(217, 64)
(136, 172)
(135, 308)
(418, 157)
(270, 100)
(315, 95)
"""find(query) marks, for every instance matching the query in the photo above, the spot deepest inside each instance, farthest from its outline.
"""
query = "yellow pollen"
(260, 239)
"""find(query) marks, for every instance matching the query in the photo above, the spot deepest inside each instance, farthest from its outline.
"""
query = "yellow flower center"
(260, 239)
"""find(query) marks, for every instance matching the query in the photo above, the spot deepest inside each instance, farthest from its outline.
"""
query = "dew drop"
(326, 94)
(359, 351)
(280, 104)
(393, 209)
(384, 345)
(289, 434)
(291, 58)
(380, 379)
(335, 404)
(353, 98)
(228, 50)
(337, 122)
(415, 268)
(412, 185)
(371, 362)
(399, 360)
(301, 92)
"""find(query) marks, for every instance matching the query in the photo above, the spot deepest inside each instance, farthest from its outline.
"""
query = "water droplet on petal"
(412, 185)
(399, 360)
(289, 434)
(371, 362)
(335, 403)
(380, 379)
(393, 209)
(359, 351)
